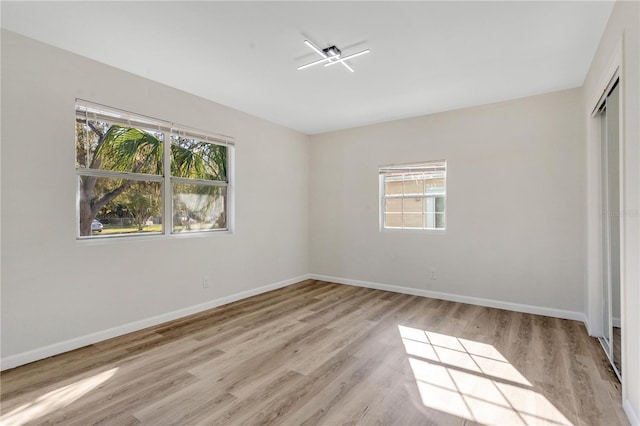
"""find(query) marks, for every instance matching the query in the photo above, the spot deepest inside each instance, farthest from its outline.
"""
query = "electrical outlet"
(205, 282)
(432, 274)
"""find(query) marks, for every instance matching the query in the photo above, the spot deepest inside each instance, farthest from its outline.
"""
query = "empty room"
(320, 213)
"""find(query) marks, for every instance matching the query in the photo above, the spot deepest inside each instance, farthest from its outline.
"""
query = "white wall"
(515, 203)
(56, 289)
(620, 46)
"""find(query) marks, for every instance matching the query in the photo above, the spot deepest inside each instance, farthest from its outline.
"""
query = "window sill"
(413, 231)
(156, 236)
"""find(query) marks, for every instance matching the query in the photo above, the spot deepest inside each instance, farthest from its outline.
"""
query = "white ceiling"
(425, 57)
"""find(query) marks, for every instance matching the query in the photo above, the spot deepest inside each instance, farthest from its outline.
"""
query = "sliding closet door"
(613, 143)
(606, 252)
(610, 125)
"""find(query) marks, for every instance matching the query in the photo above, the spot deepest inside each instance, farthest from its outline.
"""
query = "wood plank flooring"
(318, 353)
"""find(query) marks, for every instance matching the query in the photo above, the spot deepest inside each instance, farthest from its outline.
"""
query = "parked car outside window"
(96, 226)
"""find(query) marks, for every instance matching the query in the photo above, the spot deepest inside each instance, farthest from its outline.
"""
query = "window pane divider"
(167, 190)
(400, 196)
(116, 174)
(181, 180)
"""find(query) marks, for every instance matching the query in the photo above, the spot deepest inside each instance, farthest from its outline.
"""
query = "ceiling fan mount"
(332, 51)
(330, 56)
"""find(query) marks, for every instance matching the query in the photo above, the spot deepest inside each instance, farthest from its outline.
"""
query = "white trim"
(633, 417)
(88, 339)
(230, 207)
(587, 324)
(78, 342)
(499, 304)
(615, 321)
(421, 166)
(615, 69)
(422, 231)
(594, 255)
(607, 76)
(113, 174)
(203, 182)
(606, 92)
(92, 110)
(148, 236)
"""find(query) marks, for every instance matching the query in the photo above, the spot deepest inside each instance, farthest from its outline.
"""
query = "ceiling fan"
(331, 56)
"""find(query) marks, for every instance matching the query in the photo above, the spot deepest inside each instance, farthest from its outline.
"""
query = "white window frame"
(434, 166)
(98, 112)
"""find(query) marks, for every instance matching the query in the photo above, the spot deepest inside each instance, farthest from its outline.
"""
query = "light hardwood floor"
(324, 353)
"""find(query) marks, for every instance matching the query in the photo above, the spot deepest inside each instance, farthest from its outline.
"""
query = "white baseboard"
(78, 342)
(89, 339)
(615, 322)
(633, 417)
(509, 306)
(587, 324)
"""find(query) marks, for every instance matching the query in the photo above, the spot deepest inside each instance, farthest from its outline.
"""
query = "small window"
(139, 175)
(413, 196)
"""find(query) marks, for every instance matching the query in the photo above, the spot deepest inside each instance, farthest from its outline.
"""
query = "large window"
(413, 196)
(139, 175)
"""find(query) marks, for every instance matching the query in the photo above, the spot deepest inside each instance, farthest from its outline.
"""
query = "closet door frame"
(605, 326)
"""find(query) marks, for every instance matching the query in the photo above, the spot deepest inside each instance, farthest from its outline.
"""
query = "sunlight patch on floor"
(54, 400)
(473, 380)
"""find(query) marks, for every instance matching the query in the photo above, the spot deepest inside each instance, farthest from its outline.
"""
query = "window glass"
(104, 146)
(199, 174)
(119, 206)
(192, 158)
(199, 207)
